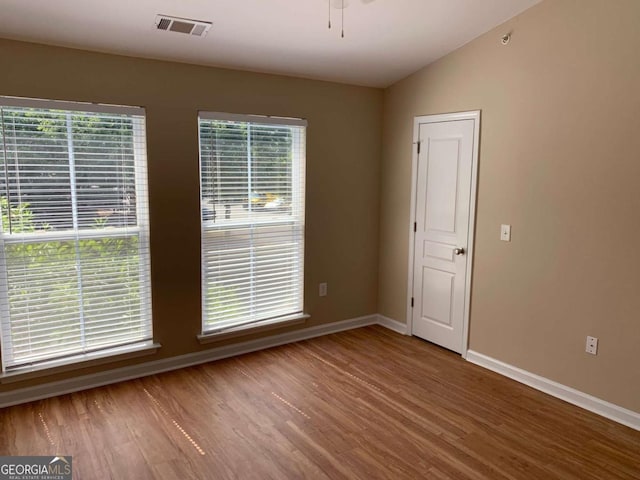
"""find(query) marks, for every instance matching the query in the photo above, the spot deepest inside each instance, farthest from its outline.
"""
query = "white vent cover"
(197, 28)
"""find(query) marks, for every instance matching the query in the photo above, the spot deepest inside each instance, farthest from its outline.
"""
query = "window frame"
(298, 170)
(140, 230)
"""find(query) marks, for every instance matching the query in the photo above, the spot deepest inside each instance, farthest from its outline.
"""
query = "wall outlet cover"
(505, 233)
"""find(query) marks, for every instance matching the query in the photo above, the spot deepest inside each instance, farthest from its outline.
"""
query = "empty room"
(324, 239)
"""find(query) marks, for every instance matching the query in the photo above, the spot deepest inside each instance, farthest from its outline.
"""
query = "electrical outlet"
(322, 289)
(592, 345)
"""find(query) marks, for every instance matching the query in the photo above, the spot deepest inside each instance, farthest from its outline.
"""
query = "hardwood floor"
(366, 404)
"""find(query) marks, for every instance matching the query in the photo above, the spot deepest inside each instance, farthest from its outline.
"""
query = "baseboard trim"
(392, 324)
(85, 382)
(588, 402)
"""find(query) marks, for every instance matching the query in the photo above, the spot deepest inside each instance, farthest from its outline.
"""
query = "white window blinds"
(74, 248)
(252, 204)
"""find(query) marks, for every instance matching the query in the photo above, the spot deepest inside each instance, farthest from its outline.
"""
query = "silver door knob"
(458, 251)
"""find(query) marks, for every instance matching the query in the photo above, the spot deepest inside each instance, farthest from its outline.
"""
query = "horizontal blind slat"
(252, 203)
(74, 230)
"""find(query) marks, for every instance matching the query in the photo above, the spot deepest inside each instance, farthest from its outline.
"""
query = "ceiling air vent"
(197, 28)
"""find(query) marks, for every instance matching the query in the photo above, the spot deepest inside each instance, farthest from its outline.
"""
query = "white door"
(443, 196)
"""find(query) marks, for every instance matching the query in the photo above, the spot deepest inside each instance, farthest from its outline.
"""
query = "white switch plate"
(592, 346)
(505, 233)
(322, 289)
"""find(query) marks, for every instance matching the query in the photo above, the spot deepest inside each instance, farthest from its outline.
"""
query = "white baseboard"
(392, 324)
(38, 392)
(555, 389)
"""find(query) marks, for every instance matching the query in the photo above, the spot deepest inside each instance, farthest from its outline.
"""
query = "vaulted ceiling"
(384, 40)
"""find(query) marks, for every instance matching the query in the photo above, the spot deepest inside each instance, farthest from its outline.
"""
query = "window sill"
(272, 324)
(79, 361)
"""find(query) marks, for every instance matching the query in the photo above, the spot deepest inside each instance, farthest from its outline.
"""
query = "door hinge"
(411, 302)
(419, 143)
(415, 227)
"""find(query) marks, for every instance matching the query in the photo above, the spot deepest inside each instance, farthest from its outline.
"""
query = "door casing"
(446, 117)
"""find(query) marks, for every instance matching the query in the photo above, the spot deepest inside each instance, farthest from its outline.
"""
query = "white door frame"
(447, 117)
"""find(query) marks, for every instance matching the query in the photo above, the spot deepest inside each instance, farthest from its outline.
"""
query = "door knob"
(458, 251)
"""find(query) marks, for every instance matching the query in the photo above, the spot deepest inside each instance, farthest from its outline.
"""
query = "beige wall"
(560, 161)
(343, 159)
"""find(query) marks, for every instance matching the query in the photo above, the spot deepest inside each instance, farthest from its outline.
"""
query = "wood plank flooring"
(362, 404)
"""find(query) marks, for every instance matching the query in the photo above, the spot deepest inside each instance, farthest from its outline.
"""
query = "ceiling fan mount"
(341, 5)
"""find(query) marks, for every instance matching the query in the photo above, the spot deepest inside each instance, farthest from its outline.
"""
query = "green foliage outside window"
(45, 279)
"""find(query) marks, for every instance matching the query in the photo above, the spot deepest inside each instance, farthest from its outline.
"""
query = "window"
(74, 253)
(252, 206)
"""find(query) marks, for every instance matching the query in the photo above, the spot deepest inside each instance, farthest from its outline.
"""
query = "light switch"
(505, 233)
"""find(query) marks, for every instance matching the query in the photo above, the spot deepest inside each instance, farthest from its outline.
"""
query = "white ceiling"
(385, 40)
